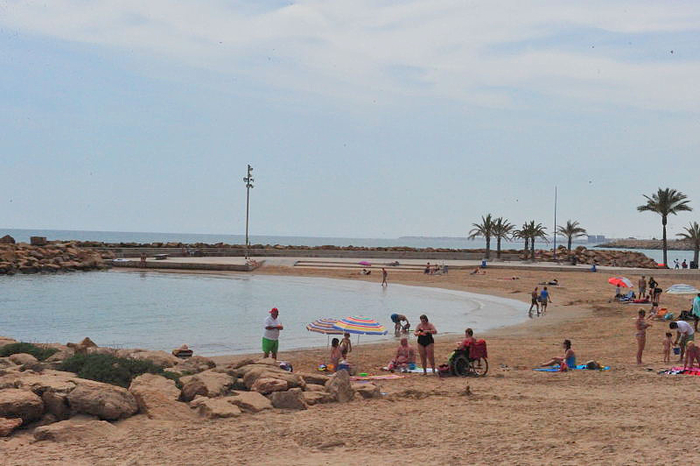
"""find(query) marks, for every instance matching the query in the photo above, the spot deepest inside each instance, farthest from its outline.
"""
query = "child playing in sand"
(336, 354)
(668, 344)
(692, 354)
(345, 344)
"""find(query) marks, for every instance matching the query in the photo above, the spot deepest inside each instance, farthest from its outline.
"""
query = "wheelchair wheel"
(479, 367)
(461, 365)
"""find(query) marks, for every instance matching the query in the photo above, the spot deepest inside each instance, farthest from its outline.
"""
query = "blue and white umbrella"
(682, 288)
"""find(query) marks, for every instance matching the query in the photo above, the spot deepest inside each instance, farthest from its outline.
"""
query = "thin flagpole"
(555, 223)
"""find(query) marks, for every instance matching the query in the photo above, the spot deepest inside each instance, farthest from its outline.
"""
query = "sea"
(409, 241)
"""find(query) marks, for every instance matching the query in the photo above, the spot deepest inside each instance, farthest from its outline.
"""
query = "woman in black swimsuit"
(426, 345)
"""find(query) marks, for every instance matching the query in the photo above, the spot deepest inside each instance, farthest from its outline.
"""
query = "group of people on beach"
(539, 301)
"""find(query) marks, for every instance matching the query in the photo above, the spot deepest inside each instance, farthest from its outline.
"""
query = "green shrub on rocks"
(109, 369)
(39, 352)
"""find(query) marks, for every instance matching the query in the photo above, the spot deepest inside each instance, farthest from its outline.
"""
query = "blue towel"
(580, 367)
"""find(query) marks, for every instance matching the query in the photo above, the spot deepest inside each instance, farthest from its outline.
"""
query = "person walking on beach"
(544, 299)
(642, 287)
(385, 274)
(684, 334)
(641, 325)
(534, 301)
(426, 344)
(270, 340)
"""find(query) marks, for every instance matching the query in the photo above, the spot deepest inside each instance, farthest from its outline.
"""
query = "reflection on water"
(220, 314)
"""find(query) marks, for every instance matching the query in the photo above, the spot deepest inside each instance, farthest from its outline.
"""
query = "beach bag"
(593, 365)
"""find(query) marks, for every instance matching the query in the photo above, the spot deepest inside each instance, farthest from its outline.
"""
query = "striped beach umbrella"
(621, 281)
(360, 325)
(682, 288)
(325, 326)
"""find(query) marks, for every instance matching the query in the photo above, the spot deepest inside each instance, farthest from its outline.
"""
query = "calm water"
(220, 314)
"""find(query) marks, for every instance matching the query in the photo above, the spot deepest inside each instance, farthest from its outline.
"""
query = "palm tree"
(692, 234)
(522, 234)
(485, 229)
(502, 229)
(571, 230)
(536, 231)
(664, 202)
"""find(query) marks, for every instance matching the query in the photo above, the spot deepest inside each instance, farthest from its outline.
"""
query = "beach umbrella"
(360, 325)
(365, 263)
(324, 326)
(682, 288)
(622, 281)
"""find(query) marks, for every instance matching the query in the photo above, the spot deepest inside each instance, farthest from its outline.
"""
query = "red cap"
(273, 310)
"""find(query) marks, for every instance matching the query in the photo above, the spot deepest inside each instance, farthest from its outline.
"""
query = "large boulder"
(293, 380)
(291, 399)
(7, 426)
(339, 386)
(315, 397)
(22, 358)
(318, 379)
(102, 400)
(251, 402)
(6, 363)
(7, 239)
(267, 385)
(17, 403)
(160, 358)
(77, 429)
(208, 383)
(213, 408)
(194, 365)
(157, 398)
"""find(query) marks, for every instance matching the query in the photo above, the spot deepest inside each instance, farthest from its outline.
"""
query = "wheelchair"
(470, 361)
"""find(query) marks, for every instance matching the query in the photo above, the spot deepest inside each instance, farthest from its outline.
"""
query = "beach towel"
(580, 367)
(681, 370)
(419, 370)
(359, 378)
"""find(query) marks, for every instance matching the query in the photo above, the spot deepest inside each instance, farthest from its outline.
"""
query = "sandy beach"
(628, 415)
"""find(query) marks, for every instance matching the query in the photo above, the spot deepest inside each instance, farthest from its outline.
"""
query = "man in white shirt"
(270, 339)
(684, 333)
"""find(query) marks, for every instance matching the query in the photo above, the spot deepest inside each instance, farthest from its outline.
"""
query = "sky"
(361, 118)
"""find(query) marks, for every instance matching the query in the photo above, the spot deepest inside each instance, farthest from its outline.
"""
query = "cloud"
(360, 49)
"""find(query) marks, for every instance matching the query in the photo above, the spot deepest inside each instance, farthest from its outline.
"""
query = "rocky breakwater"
(582, 255)
(49, 258)
(57, 405)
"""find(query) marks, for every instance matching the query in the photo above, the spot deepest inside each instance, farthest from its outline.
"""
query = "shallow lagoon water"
(222, 314)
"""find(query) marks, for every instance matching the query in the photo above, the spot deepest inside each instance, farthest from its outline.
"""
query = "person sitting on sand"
(477, 271)
(427, 268)
(568, 361)
(692, 353)
(405, 356)
(335, 354)
(366, 272)
(468, 340)
(345, 343)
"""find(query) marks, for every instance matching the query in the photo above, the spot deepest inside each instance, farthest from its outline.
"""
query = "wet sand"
(629, 415)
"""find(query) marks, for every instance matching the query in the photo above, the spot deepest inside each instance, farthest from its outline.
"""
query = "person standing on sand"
(696, 311)
(385, 274)
(270, 339)
(544, 299)
(652, 284)
(642, 287)
(426, 344)
(641, 325)
(534, 302)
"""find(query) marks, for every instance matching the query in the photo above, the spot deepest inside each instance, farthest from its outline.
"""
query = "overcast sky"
(360, 118)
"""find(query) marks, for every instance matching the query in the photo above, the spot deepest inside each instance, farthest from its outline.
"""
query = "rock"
(213, 408)
(251, 402)
(56, 404)
(75, 430)
(6, 362)
(160, 358)
(22, 358)
(7, 341)
(102, 400)
(339, 386)
(61, 355)
(157, 398)
(314, 398)
(367, 390)
(267, 385)
(312, 387)
(82, 347)
(293, 380)
(7, 239)
(17, 403)
(101, 350)
(8, 425)
(291, 399)
(318, 379)
(215, 384)
(194, 365)
(193, 388)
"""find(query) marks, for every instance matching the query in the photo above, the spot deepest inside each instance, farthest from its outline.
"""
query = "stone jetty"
(50, 257)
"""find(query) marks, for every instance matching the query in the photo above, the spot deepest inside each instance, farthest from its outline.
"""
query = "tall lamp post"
(555, 224)
(248, 184)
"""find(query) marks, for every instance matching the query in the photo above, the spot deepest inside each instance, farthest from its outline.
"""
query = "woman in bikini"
(426, 345)
(569, 357)
(641, 325)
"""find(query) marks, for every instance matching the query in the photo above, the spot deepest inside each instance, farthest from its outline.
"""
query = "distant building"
(596, 238)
